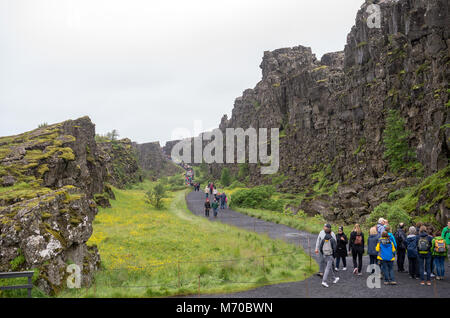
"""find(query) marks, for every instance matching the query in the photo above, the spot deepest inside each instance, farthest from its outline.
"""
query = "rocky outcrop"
(332, 112)
(121, 162)
(50, 177)
(152, 159)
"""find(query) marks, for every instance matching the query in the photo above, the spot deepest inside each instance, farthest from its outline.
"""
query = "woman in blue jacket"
(411, 251)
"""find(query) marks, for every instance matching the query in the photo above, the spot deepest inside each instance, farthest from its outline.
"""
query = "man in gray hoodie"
(318, 243)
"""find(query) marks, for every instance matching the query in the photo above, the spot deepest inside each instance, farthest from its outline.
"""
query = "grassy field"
(153, 253)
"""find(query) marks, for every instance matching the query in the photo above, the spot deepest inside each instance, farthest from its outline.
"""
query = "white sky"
(148, 67)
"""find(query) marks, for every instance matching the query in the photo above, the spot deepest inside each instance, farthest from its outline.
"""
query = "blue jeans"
(425, 266)
(388, 271)
(439, 265)
(215, 212)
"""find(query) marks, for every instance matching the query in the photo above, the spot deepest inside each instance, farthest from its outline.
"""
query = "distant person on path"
(207, 207)
(223, 202)
(356, 247)
(439, 250)
(400, 238)
(424, 248)
(341, 250)
(386, 250)
(372, 243)
(319, 240)
(215, 192)
(207, 192)
(328, 248)
(215, 206)
(211, 188)
(411, 251)
(446, 236)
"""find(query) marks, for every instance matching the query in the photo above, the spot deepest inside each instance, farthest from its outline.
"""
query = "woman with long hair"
(356, 247)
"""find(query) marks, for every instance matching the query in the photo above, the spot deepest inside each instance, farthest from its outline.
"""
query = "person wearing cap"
(319, 240)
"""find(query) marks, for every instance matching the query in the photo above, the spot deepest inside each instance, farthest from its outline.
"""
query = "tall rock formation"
(49, 178)
(332, 113)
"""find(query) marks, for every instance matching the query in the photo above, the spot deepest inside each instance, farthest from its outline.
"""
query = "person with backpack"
(411, 251)
(215, 206)
(424, 249)
(207, 207)
(400, 238)
(341, 249)
(319, 240)
(446, 236)
(356, 247)
(372, 242)
(223, 197)
(328, 248)
(439, 250)
(386, 254)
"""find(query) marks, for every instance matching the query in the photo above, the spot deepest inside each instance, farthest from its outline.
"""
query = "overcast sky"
(147, 67)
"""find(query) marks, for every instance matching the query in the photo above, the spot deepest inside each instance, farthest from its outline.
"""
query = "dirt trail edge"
(349, 285)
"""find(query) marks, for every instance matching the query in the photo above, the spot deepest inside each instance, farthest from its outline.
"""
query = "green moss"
(43, 169)
(67, 154)
(320, 68)
(17, 262)
(56, 235)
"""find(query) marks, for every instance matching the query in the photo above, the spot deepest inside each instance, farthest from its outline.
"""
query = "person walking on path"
(400, 238)
(206, 191)
(424, 248)
(341, 249)
(446, 236)
(215, 192)
(215, 206)
(328, 248)
(319, 240)
(207, 207)
(356, 247)
(372, 242)
(223, 198)
(386, 254)
(411, 251)
(211, 188)
(439, 250)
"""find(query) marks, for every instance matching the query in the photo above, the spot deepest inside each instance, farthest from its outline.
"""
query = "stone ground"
(348, 286)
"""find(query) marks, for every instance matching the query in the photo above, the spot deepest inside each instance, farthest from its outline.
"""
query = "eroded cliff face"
(49, 178)
(332, 112)
(152, 159)
(121, 162)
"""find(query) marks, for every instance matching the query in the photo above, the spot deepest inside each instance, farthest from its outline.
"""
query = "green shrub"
(395, 139)
(155, 195)
(257, 198)
(225, 179)
(395, 214)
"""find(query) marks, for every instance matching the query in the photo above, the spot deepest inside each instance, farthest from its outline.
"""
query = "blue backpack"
(411, 247)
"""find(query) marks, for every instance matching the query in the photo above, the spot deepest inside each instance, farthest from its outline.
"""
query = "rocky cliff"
(49, 178)
(152, 158)
(332, 112)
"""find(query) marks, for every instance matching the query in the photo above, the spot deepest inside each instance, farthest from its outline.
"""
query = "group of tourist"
(216, 197)
(425, 248)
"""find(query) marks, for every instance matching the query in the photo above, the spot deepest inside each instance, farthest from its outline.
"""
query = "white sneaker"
(325, 285)
(344, 269)
(432, 275)
(336, 280)
(336, 269)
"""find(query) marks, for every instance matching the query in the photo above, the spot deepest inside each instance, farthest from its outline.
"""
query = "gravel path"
(348, 286)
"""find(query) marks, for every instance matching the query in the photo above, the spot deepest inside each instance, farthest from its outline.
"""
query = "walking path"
(349, 285)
